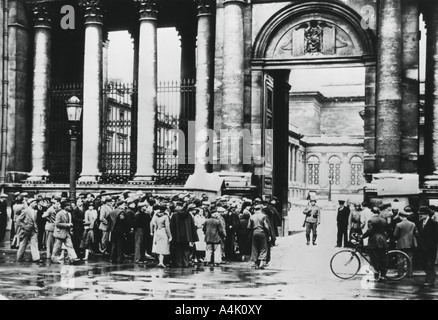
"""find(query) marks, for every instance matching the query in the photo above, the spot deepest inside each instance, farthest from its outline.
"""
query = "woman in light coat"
(200, 245)
(160, 229)
(89, 237)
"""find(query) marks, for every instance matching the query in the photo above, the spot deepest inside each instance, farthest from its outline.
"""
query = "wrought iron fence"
(118, 154)
(175, 103)
(175, 107)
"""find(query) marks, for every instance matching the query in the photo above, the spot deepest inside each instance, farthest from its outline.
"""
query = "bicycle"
(345, 264)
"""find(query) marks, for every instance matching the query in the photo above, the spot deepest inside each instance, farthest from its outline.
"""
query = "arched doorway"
(292, 47)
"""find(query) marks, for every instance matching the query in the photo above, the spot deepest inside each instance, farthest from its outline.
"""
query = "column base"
(205, 181)
(37, 178)
(87, 179)
(143, 180)
(431, 181)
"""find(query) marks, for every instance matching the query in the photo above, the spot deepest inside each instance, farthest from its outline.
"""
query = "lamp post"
(330, 188)
(74, 110)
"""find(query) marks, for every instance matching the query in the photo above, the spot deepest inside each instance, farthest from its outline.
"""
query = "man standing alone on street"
(342, 221)
(313, 219)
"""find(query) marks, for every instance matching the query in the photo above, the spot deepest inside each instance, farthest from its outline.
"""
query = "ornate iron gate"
(176, 106)
(58, 161)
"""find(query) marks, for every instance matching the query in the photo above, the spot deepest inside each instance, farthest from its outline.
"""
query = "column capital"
(42, 15)
(204, 7)
(93, 11)
(148, 9)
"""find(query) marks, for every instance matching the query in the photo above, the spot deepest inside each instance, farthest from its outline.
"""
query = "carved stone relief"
(313, 38)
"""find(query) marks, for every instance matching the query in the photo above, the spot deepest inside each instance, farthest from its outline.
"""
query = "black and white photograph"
(218, 154)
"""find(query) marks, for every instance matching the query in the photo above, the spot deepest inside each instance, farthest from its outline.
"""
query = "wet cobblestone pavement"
(297, 271)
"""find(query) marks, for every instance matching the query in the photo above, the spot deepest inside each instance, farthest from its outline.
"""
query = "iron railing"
(175, 107)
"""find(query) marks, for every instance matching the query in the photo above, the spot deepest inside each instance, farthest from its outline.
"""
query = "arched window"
(313, 170)
(356, 171)
(335, 170)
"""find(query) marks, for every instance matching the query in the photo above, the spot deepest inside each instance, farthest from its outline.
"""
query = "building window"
(335, 170)
(356, 171)
(313, 170)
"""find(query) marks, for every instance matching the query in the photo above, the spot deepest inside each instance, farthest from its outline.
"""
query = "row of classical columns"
(146, 60)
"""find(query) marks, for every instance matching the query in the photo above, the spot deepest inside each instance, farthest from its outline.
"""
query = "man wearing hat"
(428, 241)
(105, 210)
(27, 221)
(312, 220)
(130, 213)
(342, 219)
(377, 244)
(184, 232)
(3, 215)
(261, 236)
(405, 235)
(63, 233)
(118, 228)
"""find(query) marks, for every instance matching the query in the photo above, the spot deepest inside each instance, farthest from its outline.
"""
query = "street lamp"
(74, 110)
(330, 188)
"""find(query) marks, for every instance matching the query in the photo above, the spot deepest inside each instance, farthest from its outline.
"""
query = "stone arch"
(326, 13)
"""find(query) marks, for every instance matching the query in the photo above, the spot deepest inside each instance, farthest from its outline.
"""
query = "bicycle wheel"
(345, 264)
(398, 265)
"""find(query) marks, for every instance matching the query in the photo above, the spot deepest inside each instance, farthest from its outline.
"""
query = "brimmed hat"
(403, 213)
(120, 202)
(24, 194)
(191, 207)
(385, 206)
(221, 209)
(16, 194)
(30, 200)
(258, 207)
(341, 201)
(3, 195)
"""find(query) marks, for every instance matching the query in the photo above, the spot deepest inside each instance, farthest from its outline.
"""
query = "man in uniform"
(312, 220)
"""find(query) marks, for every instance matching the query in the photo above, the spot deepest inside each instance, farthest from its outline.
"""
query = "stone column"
(41, 83)
(233, 87)
(204, 85)
(147, 90)
(431, 104)
(105, 61)
(410, 105)
(93, 15)
(389, 86)
(369, 117)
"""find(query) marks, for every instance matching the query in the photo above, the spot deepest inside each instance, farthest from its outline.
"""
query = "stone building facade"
(259, 66)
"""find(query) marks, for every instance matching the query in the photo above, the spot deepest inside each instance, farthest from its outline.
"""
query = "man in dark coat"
(342, 222)
(77, 217)
(118, 227)
(274, 219)
(3, 216)
(377, 246)
(428, 230)
(183, 229)
(130, 239)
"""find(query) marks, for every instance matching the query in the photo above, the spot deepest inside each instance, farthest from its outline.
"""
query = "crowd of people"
(177, 231)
